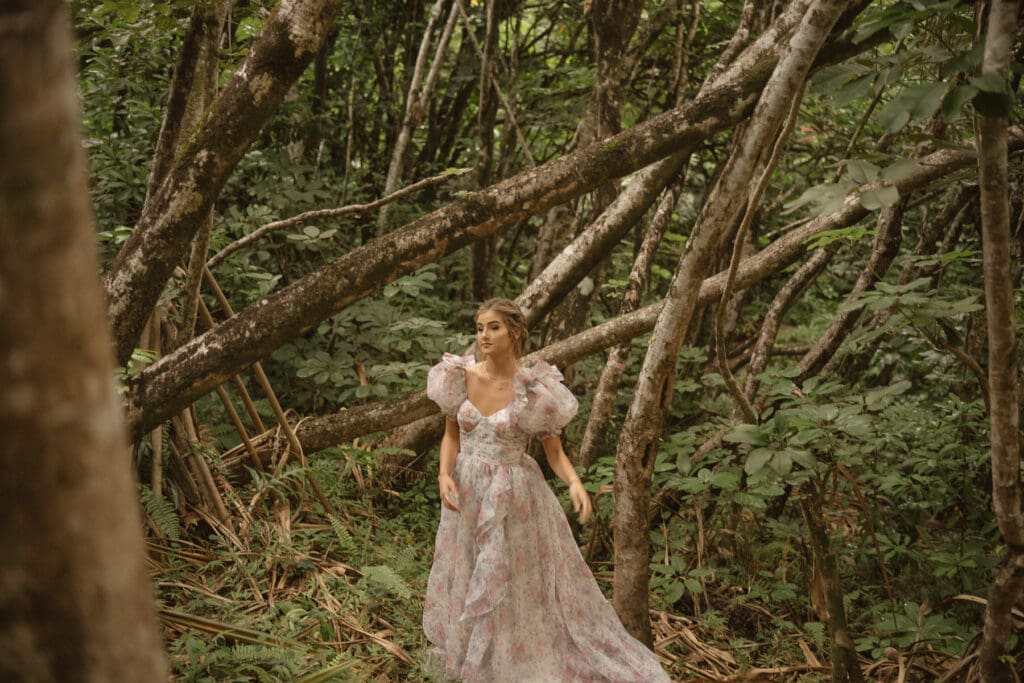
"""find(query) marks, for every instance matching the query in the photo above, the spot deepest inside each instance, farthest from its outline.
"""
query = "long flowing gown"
(510, 598)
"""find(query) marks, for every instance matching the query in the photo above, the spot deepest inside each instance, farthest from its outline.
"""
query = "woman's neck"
(503, 366)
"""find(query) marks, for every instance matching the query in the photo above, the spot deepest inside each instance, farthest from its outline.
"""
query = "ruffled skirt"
(510, 598)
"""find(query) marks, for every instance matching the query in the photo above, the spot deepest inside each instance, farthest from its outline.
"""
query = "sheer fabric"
(510, 598)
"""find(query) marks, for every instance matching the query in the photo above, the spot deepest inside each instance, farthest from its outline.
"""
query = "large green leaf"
(913, 103)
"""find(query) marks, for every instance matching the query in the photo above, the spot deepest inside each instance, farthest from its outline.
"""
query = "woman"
(509, 597)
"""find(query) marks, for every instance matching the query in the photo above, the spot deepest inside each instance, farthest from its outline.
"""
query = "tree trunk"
(292, 36)
(790, 293)
(210, 21)
(484, 250)
(612, 24)
(416, 99)
(845, 668)
(1002, 371)
(638, 441)
(568, 268)
(608, 384)
(192, 75)
(75, 598)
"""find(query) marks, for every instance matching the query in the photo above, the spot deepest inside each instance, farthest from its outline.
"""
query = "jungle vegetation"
(774, 246)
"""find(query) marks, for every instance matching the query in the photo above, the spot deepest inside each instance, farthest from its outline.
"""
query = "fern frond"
(344, 536)
(386, 577)
(161, 511)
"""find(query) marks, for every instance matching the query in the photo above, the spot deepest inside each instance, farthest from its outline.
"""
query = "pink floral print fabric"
(510, 598)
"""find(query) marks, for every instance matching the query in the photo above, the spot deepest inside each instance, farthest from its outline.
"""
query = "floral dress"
(510, 598)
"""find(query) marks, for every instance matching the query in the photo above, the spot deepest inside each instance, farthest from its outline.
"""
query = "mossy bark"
(182, 201)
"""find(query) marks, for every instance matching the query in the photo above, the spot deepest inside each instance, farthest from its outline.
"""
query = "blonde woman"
(510, 598)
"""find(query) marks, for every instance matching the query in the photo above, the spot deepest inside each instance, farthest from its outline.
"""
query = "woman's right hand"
(449, 492)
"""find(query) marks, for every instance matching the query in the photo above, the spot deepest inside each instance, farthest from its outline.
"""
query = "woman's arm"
(449, 450)
(561, 466)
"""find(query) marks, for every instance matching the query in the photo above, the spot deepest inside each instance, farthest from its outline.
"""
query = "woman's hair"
(514, 319)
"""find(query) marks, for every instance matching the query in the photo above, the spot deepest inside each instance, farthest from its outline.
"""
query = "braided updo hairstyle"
(514, 319)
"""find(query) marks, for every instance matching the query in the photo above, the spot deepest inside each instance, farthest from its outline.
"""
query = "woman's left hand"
(580, 500)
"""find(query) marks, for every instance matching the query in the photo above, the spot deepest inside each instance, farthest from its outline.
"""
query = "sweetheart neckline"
(480, 413)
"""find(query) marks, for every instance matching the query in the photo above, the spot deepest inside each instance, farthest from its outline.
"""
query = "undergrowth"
(294, 592)
(302, 594)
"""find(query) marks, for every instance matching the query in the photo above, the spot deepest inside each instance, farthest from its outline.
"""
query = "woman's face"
(492, 335)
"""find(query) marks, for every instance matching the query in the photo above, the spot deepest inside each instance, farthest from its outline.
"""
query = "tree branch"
(322, 214)
(288, 42)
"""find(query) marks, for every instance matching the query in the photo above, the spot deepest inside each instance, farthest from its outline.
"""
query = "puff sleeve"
(546, 404)
(446, 383)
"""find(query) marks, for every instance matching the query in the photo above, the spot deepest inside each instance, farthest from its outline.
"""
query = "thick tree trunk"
(612, 23)
(1002, 371)
(75, 598)
(638, 440)
(292, 36)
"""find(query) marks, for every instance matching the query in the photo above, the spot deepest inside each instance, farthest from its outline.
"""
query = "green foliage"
(161, 511)
(373, 566)
(899, 449)
(210, 662)
(913, 624)
(383, 576)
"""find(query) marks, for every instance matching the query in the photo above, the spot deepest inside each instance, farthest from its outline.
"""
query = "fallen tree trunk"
(207, 361)
(330, 430)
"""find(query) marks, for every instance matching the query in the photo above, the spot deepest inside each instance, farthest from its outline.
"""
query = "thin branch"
(497, 88)
(319, 214)
(413, 113)
(748, 216)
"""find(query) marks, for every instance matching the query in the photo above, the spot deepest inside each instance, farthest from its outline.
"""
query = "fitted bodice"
(492, 438)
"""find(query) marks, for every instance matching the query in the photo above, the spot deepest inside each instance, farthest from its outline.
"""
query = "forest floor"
(291, 594)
